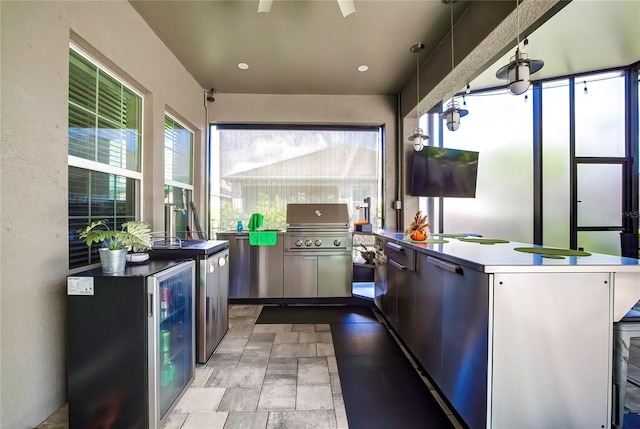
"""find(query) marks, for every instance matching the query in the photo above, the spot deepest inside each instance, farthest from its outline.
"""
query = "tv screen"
(442, 172)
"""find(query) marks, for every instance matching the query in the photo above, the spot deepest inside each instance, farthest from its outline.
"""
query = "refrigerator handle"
(149, 305)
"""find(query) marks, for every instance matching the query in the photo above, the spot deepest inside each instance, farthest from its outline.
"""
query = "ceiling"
(308, 47)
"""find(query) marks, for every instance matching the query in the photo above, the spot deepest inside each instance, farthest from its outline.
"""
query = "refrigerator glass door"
(172, 351)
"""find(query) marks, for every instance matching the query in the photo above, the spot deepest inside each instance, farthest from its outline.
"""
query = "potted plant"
(116, 243)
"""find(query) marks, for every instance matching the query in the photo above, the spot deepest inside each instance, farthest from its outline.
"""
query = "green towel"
(255, 221)
(263, 238)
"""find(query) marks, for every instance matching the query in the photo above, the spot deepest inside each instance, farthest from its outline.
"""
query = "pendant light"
(453, 113)
(518, 72)
(418, 138)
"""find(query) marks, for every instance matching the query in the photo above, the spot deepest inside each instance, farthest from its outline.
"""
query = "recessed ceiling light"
(363, 68)
(243, 66)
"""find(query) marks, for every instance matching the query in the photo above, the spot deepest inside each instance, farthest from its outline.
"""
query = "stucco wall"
(319, 109)
(33, 222)
(33, 179)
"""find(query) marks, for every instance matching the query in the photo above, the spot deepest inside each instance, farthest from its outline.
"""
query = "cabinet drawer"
(403, 256)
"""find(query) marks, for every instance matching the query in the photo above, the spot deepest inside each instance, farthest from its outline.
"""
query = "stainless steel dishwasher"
(256, 271)
(399, 304)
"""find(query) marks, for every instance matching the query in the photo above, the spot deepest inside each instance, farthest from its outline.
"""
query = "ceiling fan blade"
(346, 7)
(264, 6)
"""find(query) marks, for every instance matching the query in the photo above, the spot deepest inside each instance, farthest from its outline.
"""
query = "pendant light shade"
(418, 138)
(453, 114)
(519, 70)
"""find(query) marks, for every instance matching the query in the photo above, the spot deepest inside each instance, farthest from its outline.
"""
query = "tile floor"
(265, 376)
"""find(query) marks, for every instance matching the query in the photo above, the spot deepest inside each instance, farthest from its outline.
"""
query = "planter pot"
(113, 261)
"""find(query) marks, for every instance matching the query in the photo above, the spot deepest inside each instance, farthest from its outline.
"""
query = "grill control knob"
(298, 243)
(337, 242)
(318, 243)
(308, 243)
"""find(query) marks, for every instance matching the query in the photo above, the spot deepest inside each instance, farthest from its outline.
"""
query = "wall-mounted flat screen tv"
(443, 172)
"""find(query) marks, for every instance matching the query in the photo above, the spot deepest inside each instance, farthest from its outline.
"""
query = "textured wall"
(33, 222)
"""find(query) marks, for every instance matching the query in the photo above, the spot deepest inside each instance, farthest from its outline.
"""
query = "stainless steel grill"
(317, 251)
(318, 227)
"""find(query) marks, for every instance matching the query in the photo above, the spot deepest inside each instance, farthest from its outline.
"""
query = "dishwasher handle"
(397, 265)
(454, 268)
(396, 247)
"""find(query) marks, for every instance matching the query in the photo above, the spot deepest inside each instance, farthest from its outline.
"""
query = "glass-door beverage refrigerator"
(131, 344)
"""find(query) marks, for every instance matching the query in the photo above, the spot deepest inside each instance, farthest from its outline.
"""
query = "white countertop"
(502, 258)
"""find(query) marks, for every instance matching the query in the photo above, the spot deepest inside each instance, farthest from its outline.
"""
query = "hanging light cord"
(418, 86)
(518, 27)
(452, 56)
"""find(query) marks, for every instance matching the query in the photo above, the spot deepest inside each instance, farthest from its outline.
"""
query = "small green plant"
(134, 234)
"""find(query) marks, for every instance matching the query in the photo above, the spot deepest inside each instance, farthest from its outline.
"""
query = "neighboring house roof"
(336, 162)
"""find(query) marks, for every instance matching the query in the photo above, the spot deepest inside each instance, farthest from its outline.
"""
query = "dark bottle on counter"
(239, 228)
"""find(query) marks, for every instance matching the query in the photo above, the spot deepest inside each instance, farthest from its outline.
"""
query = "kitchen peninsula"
(512, 339)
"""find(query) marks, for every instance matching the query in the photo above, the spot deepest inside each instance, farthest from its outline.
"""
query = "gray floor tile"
(333, 364)
(325, 349)
(247, 420)
(240, 399)
(247, 376)
(294, 350)
(340, 410)
(277, 397)
(205, 420)
(336, 387)
(287, 337)
(174, 421)
(254, 358)
(201, 375)
(283, 365)
(317, 419)
(261, 340)
(317, 397)
(224, 360)
(200, 399)
(272, 328)
(238, 377)
(240, 330)
(280, 379)
(314, 370)
(316, 337)
(232, 345)
(241, 310)
(246, 320)
(303, 327)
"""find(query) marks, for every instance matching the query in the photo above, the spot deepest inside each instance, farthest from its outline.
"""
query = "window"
(261, 169)
(178, 174)
(105, 121)
(499, 127)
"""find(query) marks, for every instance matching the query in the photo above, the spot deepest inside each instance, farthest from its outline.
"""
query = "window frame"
(99, 167)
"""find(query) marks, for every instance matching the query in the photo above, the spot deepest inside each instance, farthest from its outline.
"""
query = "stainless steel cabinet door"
(465, 336)
(334, 276)
(300, 276)
(428, 335)
(406, 307)
(266, 267)
(239, 254)
(391, 299)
